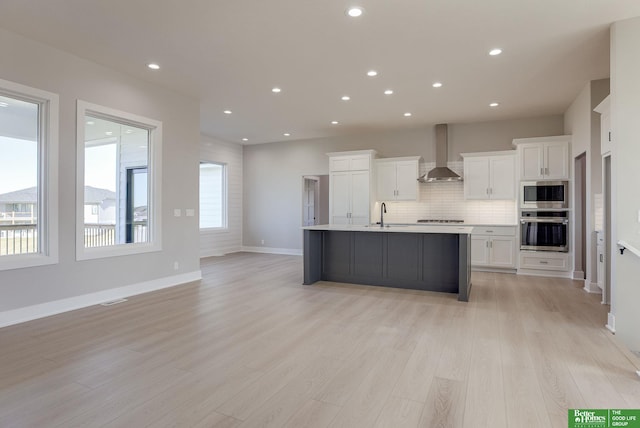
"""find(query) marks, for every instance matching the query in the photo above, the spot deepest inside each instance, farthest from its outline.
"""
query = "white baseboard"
(611, 322)
(546, 273)
(29, 313)
(578, 274)
(271, 250)
(591, 287)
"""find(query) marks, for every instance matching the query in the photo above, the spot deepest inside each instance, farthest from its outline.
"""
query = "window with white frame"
(213, 195)
(118, 194)
(28, 176)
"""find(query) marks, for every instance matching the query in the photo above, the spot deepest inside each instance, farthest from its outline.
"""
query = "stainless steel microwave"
(544, 194)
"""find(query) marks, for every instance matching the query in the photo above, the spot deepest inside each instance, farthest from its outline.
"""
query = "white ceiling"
(229, 54)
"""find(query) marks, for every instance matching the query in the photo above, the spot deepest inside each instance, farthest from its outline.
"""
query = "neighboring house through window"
(28, 176)
(119, 169)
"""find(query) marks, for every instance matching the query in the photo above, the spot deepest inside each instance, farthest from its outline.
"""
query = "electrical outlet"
(190, 212)
(262, 242)
(176, 265)
(177, 212)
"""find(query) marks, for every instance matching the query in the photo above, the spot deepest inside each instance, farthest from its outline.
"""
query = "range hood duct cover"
(441, 172)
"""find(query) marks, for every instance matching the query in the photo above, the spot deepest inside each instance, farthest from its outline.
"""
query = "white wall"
(219, 242)
(625, 120)
(40, 66)
(583, 124)
(272, 172)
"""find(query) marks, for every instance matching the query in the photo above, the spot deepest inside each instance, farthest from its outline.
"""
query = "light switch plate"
(177, 212)
(190, 212)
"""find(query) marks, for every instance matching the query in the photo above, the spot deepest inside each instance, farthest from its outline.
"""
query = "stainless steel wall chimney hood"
(440, 172)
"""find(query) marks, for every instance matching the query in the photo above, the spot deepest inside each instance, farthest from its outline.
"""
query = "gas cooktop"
(440, 221)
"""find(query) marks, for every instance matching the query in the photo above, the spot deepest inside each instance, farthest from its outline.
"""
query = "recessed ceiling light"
(109, 132)
(388, 92)
(227, 112)
(334, 122)
(276, 90)
(407, 114)
(496, 51)
(2, 104)
(153, 66)
(345, 98)
(245, 139)
(286, 134)
(90, 122)
(355, 11)
(437, 85)
(372, 73)
(494, 105)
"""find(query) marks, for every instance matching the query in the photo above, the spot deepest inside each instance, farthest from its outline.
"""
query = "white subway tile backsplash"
(446, 201)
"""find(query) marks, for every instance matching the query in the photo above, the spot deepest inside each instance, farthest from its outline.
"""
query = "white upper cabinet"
(544, 158)
(604, 108)
(490, 175)
(397, 179)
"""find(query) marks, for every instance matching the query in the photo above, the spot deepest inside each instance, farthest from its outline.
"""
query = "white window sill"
(214, 230)
(21, 261)
(116, 250)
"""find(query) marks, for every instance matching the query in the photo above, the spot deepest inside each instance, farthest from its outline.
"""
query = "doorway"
(580, 218)
(315, 200)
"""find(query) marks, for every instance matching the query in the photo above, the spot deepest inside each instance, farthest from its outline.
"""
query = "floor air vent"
(113, 302)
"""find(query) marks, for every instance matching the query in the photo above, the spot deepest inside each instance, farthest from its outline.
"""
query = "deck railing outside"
(23, 238)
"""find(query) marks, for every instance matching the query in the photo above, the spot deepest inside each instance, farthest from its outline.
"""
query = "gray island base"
(430, 258)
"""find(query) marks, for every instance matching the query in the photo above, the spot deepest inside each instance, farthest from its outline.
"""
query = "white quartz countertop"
(395, 228)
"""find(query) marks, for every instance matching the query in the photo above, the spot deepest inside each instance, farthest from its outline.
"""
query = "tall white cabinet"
(350, 196)
(490, 175)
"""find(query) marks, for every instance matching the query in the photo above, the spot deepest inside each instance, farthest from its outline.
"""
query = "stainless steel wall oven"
(544, 231)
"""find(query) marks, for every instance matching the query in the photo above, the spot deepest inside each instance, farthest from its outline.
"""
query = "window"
(118, 183)
(213, 195)
(28, 176)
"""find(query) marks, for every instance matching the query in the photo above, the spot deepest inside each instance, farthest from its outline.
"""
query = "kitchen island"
(431, 258)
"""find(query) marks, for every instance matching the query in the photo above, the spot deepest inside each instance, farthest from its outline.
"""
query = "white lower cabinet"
(493, 247)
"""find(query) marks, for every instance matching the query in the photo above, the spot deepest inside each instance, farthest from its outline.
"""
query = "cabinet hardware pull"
(546, 171)
(489, 231)
(601, 258)
(544, 262)
(609, 136)
(541, 171)
(487, 190)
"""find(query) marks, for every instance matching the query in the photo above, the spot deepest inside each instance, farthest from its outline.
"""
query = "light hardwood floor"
(249, 346)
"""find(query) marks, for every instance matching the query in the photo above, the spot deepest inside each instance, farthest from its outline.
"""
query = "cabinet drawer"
(543, 261)
(494, 230)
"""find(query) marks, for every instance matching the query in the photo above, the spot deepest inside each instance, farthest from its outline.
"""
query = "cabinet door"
(407, 180)
(556, 156)
(359, 163)
(359, 186)
(531, 161)
(479, 250)
(476, 178)
(386, 181)
(600, 267)
(339, 163)
(340, 198)
(605, 133)
(502, 252)
(502, 177)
